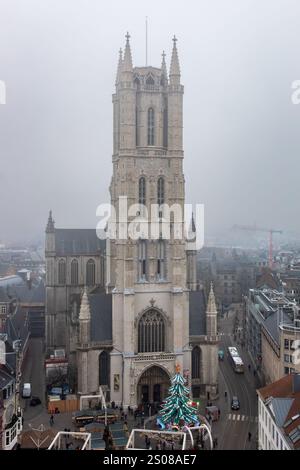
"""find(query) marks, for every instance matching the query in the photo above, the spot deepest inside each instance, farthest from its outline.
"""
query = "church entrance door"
(153, 386)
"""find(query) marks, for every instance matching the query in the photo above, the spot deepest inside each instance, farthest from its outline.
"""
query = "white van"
(26, 393)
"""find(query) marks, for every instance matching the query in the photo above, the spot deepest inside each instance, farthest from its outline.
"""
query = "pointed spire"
(174, 67)
(164, 71)
(127, 63)
(50, 224)
(120, 63)
(211, 303)
(85, 313)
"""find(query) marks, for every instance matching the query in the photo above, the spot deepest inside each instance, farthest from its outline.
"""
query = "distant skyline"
(238, 60)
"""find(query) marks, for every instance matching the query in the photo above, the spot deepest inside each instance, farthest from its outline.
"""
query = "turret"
(175, 96)
(127, 102)
(211, 313)
(50, 235)
(84, 320)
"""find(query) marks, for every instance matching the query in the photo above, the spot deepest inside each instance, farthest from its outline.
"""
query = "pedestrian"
(125, 429)
(225, 394)
(249, 436)
(219, 413)
(51, 420)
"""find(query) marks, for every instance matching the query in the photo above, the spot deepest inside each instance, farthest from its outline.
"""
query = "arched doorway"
(153, 386)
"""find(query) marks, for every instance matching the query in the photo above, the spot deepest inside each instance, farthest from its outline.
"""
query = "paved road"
(237, 424)
(34, 374)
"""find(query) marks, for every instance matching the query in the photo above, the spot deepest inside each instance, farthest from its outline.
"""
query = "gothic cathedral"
(128, 311)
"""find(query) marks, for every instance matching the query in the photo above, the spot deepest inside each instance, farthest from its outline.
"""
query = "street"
(233, 428)
(34, 374)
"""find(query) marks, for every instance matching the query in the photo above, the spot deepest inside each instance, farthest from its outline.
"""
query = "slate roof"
(271, 324)
(280, 408)
(288, 388)
(101, 316)
(4, 298)
(77, 242)
(197, 313)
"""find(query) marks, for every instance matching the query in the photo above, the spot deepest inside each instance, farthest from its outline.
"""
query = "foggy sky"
(241, 132)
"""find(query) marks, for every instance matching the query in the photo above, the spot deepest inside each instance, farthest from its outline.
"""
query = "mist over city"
(149, 236)
(241, 139)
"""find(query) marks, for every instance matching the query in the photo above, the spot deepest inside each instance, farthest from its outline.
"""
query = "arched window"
(137, 134)
(142, 190)
(161, 257)
(61, 271)
(196, 362)
(104, 368)
(74, 311)
(142, 267)
(90, 272)
(74, 272)
(165, 133)
(151, 124)
(150, 81)
(151, 332)
(160, 191)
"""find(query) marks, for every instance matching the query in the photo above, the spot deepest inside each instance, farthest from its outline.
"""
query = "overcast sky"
(241, 131)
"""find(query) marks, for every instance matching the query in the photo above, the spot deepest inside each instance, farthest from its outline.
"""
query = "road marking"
(238, 417)
(229, 416)
(233, 417)
(243, 417)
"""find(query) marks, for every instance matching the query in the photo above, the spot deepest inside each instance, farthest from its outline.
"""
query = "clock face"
(9, 413)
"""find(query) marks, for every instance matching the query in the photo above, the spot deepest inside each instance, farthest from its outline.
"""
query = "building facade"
(150, 318)
(279, 414)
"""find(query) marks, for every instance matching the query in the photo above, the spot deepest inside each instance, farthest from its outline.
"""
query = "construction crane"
(254, 228)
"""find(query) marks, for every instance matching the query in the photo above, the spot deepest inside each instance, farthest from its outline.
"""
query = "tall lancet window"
(151, 124)
(161, 257)
(74, 272)
(160, 191)
(165, 133)
(196, 362)
(90, 272)
(61, 271)
(142, 190)
(137, 136)
(142, 268)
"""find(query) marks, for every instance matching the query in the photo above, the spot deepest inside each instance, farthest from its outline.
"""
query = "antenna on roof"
(146, 40)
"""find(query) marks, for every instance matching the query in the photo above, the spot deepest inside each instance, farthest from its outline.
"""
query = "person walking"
(51, 420)
(125, 429)
(249, 436)
(225, 394)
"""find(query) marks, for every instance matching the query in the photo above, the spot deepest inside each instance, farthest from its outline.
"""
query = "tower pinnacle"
(120, 63)
(127, 63)
(50, 224)
(211, 304)
(164, 71)
(84, 313)
(174, 67)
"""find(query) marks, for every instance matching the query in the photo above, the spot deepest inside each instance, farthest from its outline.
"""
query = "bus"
(236, 361)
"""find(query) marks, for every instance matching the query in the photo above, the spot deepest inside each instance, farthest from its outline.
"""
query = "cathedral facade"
(140, 313)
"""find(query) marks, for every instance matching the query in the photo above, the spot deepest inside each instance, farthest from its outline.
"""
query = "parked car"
(235, 403)
(35, 401)
(26, 392)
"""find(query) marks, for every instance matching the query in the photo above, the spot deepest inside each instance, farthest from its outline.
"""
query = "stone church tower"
(147, 278)
(126, 334)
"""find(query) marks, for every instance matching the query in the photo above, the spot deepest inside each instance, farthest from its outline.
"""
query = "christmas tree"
(176, 410)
